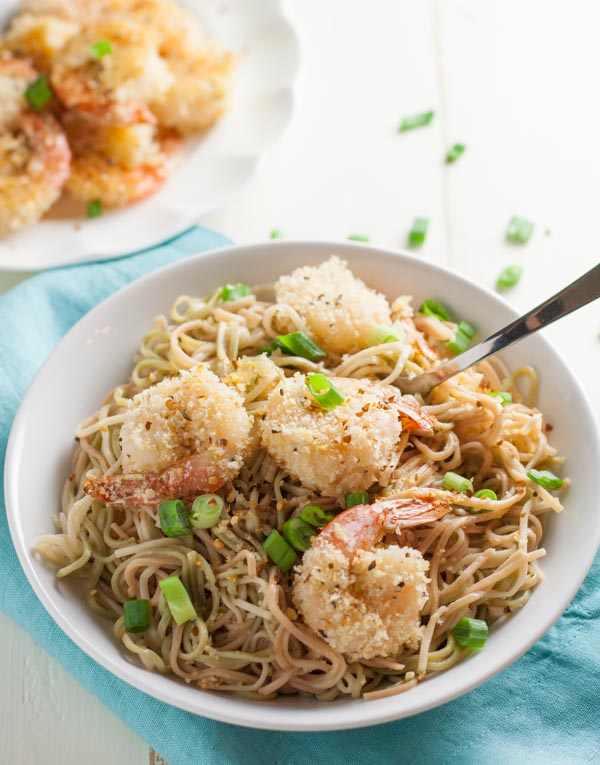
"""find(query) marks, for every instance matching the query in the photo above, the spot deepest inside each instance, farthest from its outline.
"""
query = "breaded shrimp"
(340, 450)
(340, 311)
(365, 601)
(80, 11)
(180, 30)
(38, 38)
(183, 436)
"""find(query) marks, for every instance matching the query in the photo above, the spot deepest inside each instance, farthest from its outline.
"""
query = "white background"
(517, 81)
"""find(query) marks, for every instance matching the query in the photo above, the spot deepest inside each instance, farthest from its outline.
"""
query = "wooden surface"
(514, 80)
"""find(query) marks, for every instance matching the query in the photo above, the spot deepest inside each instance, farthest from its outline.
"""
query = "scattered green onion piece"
(268, 349)
(298, 534)
(545, 478)
(276, 234)
(457, 482)
(279, 551)
(206, 511)
(470, 633)
(324, 391)
(316, 516)
(503, 395)
(418, 232)
(38, 93)
(100, 49)
(94, 208)
(415, 121)
(358, 238)
(231, 292)
(431, 308)
(464, 334)
(173, 518)
(300, 344)
(137, 615)
(485, 494)
(356, 498)
(383, 334)
(519, 230)
(509, 276)
(454, 152)
(177, 598)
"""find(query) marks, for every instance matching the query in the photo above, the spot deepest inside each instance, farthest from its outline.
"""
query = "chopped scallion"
(457, 483)
(470, 633)
(298, 534)
(519, 230)
(358, 238)
(100, 49)
(465, 332)
(383, 334)
(279, 551)
(177, 598)
(431, 308)
(231, 292)
(300, 344)
(454, 152)
(415, 121)
(268, 349)
(485, 494)
(315, 516)
(545, 478)
(356, 498)
(38, 93)
(94, 208)
(509, 276)
(324, 391)
(418, 232)
(137, 615)
(505, 397)
(173, 518)
(206, 511)
(276, 234)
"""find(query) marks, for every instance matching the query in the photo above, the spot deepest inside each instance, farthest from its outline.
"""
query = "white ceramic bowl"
(96, 354)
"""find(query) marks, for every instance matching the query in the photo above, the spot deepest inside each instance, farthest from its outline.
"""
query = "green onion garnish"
(324, 391)
(454, 152)
(94, 208)
(383, 334)
(231, 292)
(464, 334)
(431, 308)
(415, 121)
(545, 478)
(206, 511)
(100, 49)
(298, 534)
(485, 494)
(358, 238)
(505, 397)
(279, 551)
(519, 230)
(418, 232)
(300, 344)
(268, 349)
(137, 615)
(470, 633)
(173, 518)
(457, 483)
(180, 605)
(276, 234)
(38, 93)
(509, 276)
(315, 516)
(356, 498)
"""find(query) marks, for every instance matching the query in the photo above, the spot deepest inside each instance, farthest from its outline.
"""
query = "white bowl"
(97, 353)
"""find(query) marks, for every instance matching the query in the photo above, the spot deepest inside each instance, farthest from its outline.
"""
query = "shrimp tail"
(413, 417)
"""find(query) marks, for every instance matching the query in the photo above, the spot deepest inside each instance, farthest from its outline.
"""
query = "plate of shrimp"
(123, 121)
(255, 525)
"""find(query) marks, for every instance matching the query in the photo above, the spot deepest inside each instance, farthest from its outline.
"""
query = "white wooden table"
(517, 82)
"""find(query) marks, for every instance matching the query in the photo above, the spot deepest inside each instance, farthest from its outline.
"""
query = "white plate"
(96, 354)
(215, 167)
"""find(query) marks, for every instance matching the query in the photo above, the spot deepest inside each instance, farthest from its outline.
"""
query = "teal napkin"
(544, 709)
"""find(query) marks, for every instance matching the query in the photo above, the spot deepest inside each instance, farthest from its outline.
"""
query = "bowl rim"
(223, 707)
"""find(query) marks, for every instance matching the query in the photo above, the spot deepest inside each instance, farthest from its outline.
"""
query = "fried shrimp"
(339, 310)
(340, 450)
(183, 436)
(38, 38)
(365, 601)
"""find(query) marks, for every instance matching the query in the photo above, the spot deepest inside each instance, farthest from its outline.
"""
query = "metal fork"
(581, 292)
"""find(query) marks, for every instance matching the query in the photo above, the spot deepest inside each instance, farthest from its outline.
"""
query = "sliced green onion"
(454, 152)
(279, 551)
(300, 344)
(177, 598)
(276, 234)
(415, 121)
(358, 238)
(509, 276)
(457, 483)
(503, 395)
(431, 308)
(519, 230)
(470, 633)
(418, 232)
(173, 518)
(316, 516)
(324, 391)
(94, 208)
(268, 349)
(464, 334)
(206, 511)
(298, 534)
(383, 334)
(137, 615)
(38, 93)
(485, 494)
(231, 292)
(100, 49)
(545, 478)
(356, 498)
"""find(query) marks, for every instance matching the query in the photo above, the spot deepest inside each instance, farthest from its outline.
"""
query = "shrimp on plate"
(34, 154)
(345, 449)
(183, 436)
(364, 600)
(38, 38)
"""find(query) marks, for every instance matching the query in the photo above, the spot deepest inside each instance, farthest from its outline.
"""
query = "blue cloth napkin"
(544, 709)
